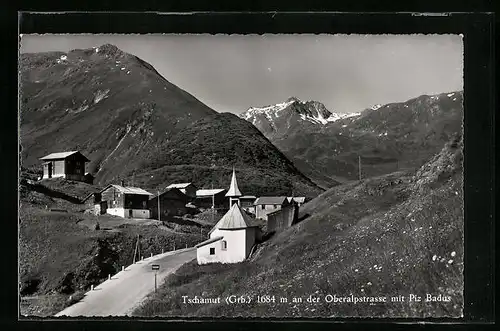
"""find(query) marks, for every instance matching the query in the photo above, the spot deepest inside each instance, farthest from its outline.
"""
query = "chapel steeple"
(234, 192)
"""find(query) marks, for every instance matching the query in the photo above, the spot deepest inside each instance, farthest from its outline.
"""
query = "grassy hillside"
(61, 255)
(108, 104)
(205, 152)
(389, 236)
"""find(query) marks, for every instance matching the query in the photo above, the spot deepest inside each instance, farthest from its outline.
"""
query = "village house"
(187, 188)
(299, 200)
(231, 239)
(283, 218)
(213, 197)
(266, 205)
(247, 203)
(125, 201)
(69, 165)
(234, 192)
(172, 203)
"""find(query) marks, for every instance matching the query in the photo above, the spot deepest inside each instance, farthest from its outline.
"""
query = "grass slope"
(393, 235)
(61, 255)
(205, 152)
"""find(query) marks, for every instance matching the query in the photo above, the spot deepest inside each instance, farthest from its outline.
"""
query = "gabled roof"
(128, 189)
(234, 219)
(172, 190)
(234, 191)
(297, 199)
(91, 194)
(206, 242)
(208, 193)
(271, 201)
(61, 155)
(248, 197)
(179, 185)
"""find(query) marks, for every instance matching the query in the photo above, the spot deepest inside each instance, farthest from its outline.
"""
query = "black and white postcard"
(217, 175)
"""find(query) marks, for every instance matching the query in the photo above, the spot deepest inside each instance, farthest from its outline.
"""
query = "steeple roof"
(234, 191)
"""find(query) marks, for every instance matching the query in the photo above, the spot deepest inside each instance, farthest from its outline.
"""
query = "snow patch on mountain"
(310, 111)
(375, 107)
(267, 111)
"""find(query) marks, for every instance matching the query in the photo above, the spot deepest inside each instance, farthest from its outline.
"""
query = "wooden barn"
(172, 203)
(266, 205)
(69, 165)
(231, 239)
(215, 197)
(126, 201)
(187, 188)
(283, 218)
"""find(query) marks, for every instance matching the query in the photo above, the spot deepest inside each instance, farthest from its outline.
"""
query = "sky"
(230, 73)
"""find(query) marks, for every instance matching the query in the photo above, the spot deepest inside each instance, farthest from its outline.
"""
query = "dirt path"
(127, 289)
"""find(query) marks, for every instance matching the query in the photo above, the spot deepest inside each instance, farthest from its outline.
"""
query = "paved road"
(127, 289)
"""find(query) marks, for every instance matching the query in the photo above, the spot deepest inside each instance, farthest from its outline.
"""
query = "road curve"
(126, 290)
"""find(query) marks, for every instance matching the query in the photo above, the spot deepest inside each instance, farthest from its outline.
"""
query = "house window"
(224, 245)
(144, 205)
(212, 250)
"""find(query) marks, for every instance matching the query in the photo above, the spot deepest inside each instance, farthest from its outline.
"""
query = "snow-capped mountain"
(279, 118)
(312, 111)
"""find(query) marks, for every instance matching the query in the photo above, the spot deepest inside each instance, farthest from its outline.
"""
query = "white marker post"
(155, 267)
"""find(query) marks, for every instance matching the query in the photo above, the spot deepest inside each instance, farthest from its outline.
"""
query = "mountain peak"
(109, 49)
(292, 99)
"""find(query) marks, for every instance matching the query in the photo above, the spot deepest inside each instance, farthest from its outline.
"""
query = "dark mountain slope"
(109, 104)
(206, 151)
(391, 235)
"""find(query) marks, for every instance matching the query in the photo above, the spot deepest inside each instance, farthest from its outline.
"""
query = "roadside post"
(155, 267)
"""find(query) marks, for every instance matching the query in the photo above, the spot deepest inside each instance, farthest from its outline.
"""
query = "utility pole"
(159, 214)
(213, 203)
(155, 280)
(135, 250)
(359, 166)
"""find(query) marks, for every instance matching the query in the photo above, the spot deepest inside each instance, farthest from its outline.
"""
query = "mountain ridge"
(385, 137)
(117, 110)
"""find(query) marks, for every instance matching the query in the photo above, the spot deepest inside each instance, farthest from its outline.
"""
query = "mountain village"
(147, 195)
(232, 238)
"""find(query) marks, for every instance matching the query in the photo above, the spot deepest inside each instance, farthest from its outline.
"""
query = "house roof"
(208, 193)
(91, 194)
(248, 197)
(206, 242)
(270, 200)
(128, 190)
(61, 155)
(169, 190)
(234, 191)
(234, 219)
(296, 199)
(179, 185)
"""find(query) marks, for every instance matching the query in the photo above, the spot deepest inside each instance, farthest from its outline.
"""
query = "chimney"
(123, 183)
